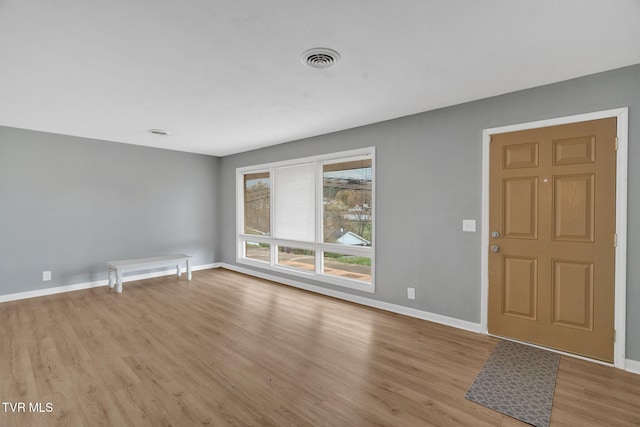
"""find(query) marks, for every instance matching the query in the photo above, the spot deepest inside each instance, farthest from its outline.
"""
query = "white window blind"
(294, 207)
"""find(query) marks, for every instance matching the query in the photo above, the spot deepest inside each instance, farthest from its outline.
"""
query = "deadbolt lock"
(495, 234)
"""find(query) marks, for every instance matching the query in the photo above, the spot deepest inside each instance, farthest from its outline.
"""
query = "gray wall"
(70, 204)
(429, 178)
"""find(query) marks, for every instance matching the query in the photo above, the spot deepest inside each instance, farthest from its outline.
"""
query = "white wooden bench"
(118, 268)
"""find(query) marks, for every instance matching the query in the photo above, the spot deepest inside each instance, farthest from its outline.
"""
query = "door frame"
(622, 114)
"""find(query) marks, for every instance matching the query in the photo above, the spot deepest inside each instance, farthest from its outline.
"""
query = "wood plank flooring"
(229, 349)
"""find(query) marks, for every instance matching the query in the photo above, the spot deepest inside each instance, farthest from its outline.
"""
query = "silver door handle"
(495, 248)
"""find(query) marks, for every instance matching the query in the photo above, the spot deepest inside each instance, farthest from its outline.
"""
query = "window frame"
(318, 246)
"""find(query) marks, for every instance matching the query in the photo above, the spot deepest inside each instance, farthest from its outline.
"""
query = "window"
(257, 251)
(294, 203)
(343, 265)
(310, 217)
(346, 188)
(303, 259)
(257, 216)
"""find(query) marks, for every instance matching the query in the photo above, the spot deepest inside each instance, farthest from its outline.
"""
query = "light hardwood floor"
(228, 349)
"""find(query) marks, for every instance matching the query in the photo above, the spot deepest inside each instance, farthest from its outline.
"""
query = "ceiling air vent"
(320, 58)
(158, 132)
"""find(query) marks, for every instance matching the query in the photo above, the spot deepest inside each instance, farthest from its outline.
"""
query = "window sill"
(322, 278)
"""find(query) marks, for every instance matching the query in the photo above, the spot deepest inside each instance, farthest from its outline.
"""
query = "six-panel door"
(552, 203)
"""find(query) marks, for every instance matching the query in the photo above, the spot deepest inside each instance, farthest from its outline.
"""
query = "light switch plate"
(46, 276)
(469, 225)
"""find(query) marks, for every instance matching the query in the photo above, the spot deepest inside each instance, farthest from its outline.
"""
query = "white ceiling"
(225, 76)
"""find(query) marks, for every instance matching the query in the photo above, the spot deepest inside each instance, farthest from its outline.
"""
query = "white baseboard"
(205, 266)
(632, 366)
(51, 291)
(407, 311)
(88, 285)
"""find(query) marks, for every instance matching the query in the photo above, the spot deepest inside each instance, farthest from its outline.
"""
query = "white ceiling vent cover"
(320, 58)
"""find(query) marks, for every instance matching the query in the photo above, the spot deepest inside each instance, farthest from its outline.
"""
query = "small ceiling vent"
(158, 132)
(320, 58)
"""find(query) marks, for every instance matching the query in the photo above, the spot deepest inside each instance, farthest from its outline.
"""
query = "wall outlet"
(46, 276)
(411, 293)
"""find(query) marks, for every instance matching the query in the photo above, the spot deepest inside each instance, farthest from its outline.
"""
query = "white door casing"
(622, 115)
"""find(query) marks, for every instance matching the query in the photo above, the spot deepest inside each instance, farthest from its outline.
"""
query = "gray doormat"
(518, 381)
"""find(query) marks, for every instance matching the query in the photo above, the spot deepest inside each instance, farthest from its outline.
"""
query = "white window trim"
(319, 246)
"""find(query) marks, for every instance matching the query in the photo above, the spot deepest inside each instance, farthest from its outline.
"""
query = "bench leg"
(111, 278)
(188, 269)
(119, 280)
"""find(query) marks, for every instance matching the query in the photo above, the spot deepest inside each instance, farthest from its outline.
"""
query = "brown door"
(552, 225)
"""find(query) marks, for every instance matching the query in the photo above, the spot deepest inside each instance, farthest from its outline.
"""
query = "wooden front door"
(552, 244)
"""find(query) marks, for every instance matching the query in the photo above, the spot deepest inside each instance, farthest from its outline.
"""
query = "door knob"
(495, 234)
(495, 248)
